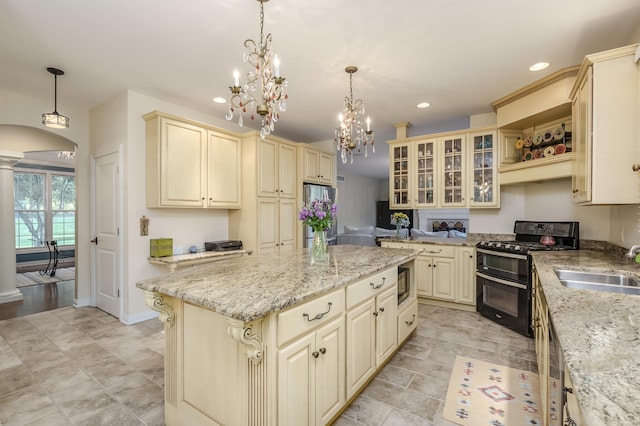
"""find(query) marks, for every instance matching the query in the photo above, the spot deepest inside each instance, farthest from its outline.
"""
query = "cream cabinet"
(436, 273)
(447, 170)
(605, 118)
(317, 166)
(267, 221)
(190, 165)
(466, 270)
(276, 169)
(571, 407)
(371, 323)
(276, 224)
(540, 319)
(311, 375)
(483, 177)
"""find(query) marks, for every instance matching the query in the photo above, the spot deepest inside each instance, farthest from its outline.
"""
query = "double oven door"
(503, 286)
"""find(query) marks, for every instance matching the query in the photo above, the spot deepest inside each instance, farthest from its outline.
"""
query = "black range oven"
(503, 274)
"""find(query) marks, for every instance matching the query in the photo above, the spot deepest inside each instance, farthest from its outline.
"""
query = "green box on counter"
(161, 247)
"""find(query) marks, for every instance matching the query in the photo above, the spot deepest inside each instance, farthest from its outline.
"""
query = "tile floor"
(83, 367)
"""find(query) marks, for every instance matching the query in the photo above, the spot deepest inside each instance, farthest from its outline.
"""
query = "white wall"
(357, 196)
(27, 111)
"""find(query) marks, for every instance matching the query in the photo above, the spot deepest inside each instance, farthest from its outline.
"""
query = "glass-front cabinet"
(483, 169)
(425, 163)
(453, 171)
(399, 173)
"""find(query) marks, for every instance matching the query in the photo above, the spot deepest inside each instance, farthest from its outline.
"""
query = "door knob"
(95, 241)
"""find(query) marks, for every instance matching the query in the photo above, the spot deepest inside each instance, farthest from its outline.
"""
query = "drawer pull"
(375, 287)
(431, 251)
(412, 320)
(319, 316)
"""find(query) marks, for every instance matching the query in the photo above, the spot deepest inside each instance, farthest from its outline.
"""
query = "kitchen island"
(599, 334)
(271, 339)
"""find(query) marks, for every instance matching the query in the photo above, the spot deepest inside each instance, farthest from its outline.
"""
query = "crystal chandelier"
(350, 135)
(272, 97)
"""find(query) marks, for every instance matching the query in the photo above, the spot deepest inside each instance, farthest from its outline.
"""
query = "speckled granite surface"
(599, 334)
(251, 287)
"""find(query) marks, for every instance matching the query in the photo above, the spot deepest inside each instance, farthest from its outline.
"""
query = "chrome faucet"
(633, 250)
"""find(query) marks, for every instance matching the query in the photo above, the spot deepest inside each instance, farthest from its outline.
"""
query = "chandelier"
(265, 91)
(53, 119)
(350, 135)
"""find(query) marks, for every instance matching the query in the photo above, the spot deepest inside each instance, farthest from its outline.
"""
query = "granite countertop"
(430, 240)
(599, 334)
(251, 287)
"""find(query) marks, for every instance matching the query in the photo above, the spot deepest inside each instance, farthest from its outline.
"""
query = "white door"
(107, 252)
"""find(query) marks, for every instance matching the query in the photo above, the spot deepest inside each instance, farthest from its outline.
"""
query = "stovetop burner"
(528, 235)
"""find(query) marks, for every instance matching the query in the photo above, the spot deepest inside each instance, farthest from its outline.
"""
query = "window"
(45, 207)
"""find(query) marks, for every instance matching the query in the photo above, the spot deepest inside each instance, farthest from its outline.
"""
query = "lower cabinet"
(371, 337)
(311, 376)
(466, 282)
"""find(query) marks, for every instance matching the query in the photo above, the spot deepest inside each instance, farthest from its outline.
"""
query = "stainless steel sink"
(610, 283)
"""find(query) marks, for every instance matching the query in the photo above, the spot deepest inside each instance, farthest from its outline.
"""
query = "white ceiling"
(459, 55)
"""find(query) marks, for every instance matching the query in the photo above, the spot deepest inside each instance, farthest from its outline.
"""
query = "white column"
(8, 290)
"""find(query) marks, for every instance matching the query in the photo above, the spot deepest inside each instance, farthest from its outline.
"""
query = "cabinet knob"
(635, 167)
(202, 198)
(381, 308)
(375, 314)
(315, 354)
(323, 350)
(575, 191)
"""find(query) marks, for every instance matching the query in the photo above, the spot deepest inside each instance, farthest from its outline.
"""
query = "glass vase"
(319, 248)
(398, 228)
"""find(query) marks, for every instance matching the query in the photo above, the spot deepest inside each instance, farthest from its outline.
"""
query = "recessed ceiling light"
(539, 66)
(423, 104)
(219, 100)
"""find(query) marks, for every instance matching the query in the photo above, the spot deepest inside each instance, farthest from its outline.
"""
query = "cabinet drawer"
(407, 321)
(371, 286)
(306, 317)
(395, 244)
(437, 251)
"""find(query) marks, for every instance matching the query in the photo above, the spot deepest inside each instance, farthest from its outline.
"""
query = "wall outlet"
(178, 250)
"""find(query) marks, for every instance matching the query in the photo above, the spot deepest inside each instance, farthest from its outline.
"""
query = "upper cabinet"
(605, 116)
(317, 166)
(535, 130)
(444, 170)
(276, 168)
(190, 165)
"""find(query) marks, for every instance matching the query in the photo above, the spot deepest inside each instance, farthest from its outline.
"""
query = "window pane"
(29, 229)
(63, 195)
(64, 228)
(29, 191)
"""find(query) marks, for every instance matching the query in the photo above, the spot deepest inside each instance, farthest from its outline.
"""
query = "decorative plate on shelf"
(519, 143)
(528, 141)
(548, 136)
(549, 151)
(538, 139)
(560, 149)
(558, 133)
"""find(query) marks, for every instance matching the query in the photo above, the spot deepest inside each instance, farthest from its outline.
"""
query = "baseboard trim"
(81, 303)
(143, 316)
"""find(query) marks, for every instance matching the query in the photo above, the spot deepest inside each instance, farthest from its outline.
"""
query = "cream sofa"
(366, 235)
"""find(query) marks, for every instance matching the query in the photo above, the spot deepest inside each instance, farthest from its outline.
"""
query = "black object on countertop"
(225, 245)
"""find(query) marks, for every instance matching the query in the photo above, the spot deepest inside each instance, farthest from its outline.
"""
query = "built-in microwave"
(404, 284)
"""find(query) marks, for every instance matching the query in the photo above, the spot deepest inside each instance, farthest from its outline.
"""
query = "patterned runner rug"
(481, 393)
(34, 278)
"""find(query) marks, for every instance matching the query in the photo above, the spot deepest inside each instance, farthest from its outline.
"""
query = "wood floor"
(40, 298)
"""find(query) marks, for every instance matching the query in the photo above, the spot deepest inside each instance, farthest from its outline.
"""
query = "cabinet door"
(443, 278)
(581, 177)
(311, 161)
(424, 276)
(287, 222)
(330, 367)
(267, 168)
(297, 383)
(223, 171)
(452, 176)
(399, 176)
(268, 221)
(325, 167)
(425, 173)
(386, 324)
(466, 276)
(182, 164)
(361, 357)
(287, 171)
(483, 188)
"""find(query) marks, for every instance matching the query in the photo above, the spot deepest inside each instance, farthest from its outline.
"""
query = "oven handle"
(502, 254)
(500, 281)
